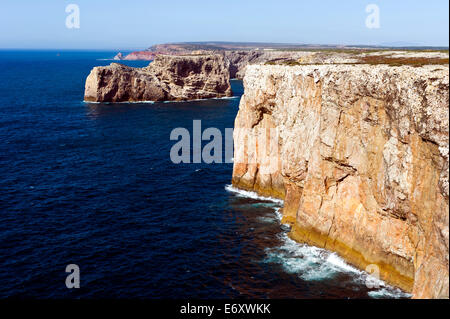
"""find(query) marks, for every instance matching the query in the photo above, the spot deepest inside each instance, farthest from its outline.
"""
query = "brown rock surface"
(239, 60)
(167, 78)
(361, 161)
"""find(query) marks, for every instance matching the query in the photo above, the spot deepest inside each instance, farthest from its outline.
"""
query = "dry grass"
(399, 61)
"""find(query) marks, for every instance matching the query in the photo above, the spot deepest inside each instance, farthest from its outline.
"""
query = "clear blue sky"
(122, 24)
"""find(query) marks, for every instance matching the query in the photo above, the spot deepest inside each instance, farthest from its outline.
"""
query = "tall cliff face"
(171, 78)
(361, 160)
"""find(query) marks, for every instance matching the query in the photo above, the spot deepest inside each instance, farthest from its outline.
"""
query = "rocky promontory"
(359, 153)
(167, 78)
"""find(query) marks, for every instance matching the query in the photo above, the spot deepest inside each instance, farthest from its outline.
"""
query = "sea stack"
(361, 161)
(118, 56)
(167, 78)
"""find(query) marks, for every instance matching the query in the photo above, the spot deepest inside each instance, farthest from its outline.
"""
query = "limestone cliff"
(167, 78)
(361, 160)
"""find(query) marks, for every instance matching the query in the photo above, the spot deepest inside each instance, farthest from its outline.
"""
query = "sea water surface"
(93, 185)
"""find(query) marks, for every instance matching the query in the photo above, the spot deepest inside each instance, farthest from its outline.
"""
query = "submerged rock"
(167, 78)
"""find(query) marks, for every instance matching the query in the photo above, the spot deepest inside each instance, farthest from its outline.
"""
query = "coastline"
(153, 102)
(358, 169)
(388, 274)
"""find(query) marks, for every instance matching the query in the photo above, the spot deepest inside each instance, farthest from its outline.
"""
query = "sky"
(138, 24)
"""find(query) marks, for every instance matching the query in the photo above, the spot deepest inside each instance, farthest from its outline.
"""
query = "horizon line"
(299, 45)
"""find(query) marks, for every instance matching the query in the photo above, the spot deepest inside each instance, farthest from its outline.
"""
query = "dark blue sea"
(93, 185)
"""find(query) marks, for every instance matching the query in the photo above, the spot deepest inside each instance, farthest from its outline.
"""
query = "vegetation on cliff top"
(374, 60)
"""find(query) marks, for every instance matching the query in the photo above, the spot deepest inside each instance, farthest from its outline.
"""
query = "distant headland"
(189, 47)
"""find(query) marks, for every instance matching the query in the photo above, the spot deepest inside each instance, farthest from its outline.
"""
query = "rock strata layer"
(360, 157)
(167, 78)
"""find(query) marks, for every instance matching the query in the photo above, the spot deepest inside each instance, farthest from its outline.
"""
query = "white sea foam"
(388, 292)
(124, 102)
(208, 99)
(314, 264)
(338, 262)
(249, 194)
(309, 262)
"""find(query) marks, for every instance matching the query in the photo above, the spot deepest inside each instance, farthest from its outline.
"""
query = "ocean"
(93, 185)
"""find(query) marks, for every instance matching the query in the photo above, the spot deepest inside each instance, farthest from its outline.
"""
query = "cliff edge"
(359, 153)
(167, 78)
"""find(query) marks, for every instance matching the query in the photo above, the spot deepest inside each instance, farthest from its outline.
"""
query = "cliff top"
(407, 86)
(376, 72)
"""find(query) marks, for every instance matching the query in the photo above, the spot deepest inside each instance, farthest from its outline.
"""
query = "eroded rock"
(362, 163)
(167, 78)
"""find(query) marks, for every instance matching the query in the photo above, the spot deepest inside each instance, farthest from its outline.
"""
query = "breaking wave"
(249, 194)
(153, 102)
(207, 99)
